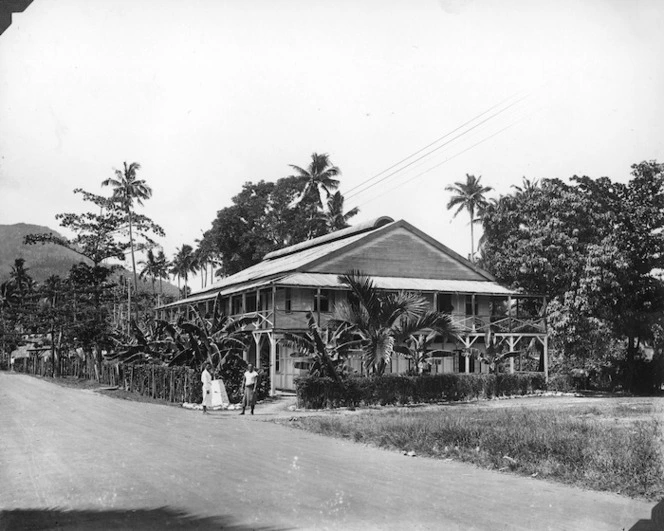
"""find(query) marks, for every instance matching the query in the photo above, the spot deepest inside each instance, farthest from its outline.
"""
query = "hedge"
(317, 393)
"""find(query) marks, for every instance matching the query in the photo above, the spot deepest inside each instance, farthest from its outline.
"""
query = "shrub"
(316, 393)
(563, 383)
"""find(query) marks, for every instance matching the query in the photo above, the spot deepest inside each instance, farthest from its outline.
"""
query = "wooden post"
(546, 358)
(273, 363)
(511, 345)
(318, 306)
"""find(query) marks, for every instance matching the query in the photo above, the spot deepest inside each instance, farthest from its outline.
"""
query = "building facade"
(289, 283)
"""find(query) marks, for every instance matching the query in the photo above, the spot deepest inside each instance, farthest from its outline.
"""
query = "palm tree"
(527, 187)
(416, 346)
(469, 196)
(379, 318)
(150, 269)
(335, 218)
(184, 262)
(127, 189)
(20, 278)
(161, 269)
(316, 179)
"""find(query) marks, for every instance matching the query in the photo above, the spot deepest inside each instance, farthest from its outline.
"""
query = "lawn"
(610, 445)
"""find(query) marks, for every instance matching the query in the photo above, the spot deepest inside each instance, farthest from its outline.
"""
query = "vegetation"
(382, 319)
(594, 247)
(315, 392)
(266, 216)
(127, 188)
(469, 196)
(603, 449)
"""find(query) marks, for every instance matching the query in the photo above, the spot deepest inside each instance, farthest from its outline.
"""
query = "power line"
(351, 192)
(444, 161)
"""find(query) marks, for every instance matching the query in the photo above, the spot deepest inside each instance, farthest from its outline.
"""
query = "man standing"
(206, 380)
(250, 383)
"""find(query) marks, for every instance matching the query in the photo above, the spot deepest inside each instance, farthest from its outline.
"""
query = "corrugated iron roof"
(283, 264)
(337, 235)
(326, 280)
(209, 295)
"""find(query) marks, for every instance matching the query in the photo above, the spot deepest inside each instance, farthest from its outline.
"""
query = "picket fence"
(173, 384)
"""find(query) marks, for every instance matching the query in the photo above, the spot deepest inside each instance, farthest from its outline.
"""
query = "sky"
(209, 94)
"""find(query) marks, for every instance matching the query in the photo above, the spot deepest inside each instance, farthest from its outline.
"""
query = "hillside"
(43, 261)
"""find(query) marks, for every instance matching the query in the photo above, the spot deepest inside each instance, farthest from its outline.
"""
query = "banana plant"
(326, 348)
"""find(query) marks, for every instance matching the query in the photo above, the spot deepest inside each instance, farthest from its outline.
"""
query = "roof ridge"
(367, 226)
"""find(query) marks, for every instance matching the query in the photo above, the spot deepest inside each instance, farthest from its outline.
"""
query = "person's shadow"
(116, 519)
(656, 522)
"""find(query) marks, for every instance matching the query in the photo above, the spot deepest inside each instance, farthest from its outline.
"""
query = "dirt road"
(75, 459)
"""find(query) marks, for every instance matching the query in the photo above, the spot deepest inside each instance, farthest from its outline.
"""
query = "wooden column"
(546, 358)
(257, 344)
(510, 342)
(273, 363)
(318, 306)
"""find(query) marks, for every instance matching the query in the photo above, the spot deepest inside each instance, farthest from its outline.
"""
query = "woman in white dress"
(206, 380)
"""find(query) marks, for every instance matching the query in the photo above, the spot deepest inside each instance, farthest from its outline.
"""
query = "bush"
(563, 383)
(316, 393)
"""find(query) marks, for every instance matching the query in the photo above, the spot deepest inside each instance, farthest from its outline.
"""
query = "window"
(236, 304)
(462, 363)
(288, 302)
(264, 300)
(250, 301)
(326, 299)
(444, 303)
(277, 365)
(469, 305)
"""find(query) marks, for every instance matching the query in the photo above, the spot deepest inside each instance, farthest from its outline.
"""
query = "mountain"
(42, 261)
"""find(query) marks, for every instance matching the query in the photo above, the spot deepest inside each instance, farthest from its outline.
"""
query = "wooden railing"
(499, 324)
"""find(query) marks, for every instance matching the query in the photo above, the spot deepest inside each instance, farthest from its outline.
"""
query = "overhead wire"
(353, 193)
(431, 144)
(442, 162)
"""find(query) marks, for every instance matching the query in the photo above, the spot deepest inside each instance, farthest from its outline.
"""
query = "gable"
(398, 252)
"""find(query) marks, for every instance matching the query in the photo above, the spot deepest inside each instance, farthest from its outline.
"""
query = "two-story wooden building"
(303, 278)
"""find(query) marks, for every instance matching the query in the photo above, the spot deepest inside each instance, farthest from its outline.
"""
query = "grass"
(611, 448)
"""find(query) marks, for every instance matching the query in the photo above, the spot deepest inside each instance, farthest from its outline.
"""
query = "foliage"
(591, 246)
(328, 349)
(127, 189)
(416, 346)
(266, 216)
(95, 232)
(382, 320)
(469, 196)
(211, 339)
(184, 262)
(315, 392)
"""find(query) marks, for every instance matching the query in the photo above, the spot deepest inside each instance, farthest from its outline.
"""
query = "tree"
(20, 279)
(593, 247)
(318, 180)
(469, 196)
(327, 348)
(381, 319)
(161, 270)
(415, 344)
(151, 269)
(127, 188)
(335, 217)
(184, 262)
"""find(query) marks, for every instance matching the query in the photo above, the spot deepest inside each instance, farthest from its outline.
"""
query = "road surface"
(76, 459)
